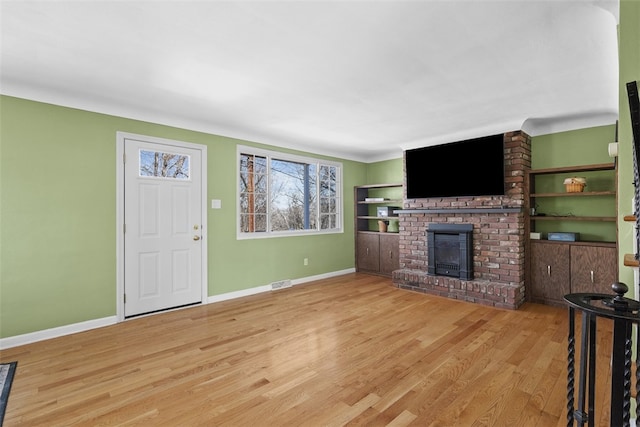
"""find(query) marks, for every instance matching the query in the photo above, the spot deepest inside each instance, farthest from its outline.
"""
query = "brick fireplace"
(498, 238)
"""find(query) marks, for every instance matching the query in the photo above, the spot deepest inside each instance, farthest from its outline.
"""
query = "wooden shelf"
(582, 194)
(631, 261)
(383, 202)
(379, 218)
(573, 218)
(386, 233)
(376, 186)
(569, 169)
(575, 243)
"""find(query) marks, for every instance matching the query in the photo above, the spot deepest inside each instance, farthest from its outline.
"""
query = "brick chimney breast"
(498, 237)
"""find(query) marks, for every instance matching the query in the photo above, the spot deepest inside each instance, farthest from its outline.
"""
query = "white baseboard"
(75, 328)
(323, 276)
(46, 334)
(238, 294)
(267, 288)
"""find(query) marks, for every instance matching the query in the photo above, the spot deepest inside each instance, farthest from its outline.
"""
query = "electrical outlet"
(306, 261)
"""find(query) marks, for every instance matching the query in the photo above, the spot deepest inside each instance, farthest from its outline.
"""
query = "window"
(284, 194)
(164, 165)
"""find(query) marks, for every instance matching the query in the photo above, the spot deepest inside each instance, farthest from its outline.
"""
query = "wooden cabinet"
(388, 253)
(376, 252)
(550, 272)
(593, 269)
(560, 268)
(368, 252)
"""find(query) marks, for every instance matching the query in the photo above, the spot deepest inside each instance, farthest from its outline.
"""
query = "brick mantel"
(498, 237)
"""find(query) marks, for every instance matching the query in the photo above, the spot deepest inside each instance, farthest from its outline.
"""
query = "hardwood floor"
(351, 350)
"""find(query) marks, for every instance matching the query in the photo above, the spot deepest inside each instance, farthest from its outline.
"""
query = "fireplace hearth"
(450, 250)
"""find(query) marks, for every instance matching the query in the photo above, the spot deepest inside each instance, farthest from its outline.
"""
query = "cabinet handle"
(367, 251)
(548, 270)
(391, 254)
(591, 276)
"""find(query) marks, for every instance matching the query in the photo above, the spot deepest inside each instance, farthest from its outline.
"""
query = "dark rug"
(7, 371)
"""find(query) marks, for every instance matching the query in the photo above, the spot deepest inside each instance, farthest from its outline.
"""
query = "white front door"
(163, 238)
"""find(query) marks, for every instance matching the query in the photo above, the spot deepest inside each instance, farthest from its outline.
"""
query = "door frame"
(120, 140)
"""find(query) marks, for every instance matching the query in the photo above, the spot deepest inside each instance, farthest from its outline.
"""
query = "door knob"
(196, 237)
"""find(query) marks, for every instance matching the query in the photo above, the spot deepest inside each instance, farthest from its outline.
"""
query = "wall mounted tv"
(474, 167)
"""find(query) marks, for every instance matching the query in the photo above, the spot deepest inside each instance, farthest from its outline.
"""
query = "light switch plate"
(216, 203)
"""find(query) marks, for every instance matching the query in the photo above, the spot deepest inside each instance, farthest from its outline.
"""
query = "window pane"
(260, 203)
(260, 165)
(261, 184)
(244, 223)
(250, 223)
(292, 195)
(261, 223)
(253, 193)
(328, 222)
(164, 165)
(328, 179)
(329, 206)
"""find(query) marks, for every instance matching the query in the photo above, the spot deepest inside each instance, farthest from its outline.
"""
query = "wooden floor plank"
(349, 350)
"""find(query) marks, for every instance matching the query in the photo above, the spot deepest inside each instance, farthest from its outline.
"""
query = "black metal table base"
(625, 313)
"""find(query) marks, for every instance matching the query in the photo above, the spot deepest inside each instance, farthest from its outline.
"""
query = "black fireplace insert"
(450, 250)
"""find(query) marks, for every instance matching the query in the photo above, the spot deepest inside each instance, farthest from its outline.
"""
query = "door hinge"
(125, 298)
(124, 158)
(124, 228)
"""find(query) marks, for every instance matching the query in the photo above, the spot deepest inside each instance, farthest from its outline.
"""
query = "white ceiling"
(361, 80)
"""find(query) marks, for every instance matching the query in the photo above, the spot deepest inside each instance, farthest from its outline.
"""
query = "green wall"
(385, 172)
(578, 147)
(58, 218)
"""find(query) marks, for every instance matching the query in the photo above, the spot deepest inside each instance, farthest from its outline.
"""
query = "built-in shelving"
(376, 252)
(555, 268)
(365, 221)
(532, 195)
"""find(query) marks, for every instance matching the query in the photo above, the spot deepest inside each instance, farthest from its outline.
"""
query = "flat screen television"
(473, 167)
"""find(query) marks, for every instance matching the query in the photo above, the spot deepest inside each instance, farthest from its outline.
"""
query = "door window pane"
(164, 165)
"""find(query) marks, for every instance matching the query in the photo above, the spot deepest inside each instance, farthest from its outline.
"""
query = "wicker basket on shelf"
(575, 185)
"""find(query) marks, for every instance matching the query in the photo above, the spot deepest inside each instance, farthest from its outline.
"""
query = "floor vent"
(281, 284)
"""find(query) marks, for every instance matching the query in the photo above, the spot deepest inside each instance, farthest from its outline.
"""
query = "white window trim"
(293, 158)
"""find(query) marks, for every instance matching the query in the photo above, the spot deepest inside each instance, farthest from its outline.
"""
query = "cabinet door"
(389, 253)
(550, 269)
(368, 257)
(593, 269)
